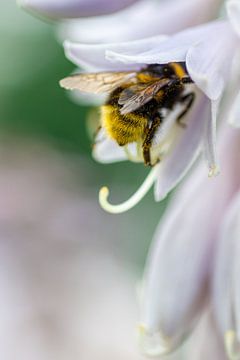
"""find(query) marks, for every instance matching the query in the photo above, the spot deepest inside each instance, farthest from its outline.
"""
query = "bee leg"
(95, 136)
(148, 140)
(97, 130)
(186, 80)
(188, 100)
(177, 82)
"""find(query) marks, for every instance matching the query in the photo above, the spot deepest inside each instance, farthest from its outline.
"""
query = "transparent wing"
(136, 96)
(97, 83)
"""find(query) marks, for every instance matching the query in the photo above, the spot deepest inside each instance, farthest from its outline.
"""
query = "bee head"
(165, 70)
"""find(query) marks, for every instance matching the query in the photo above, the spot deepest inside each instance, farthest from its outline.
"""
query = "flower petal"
(224, 272)
(106, 150)
(236, 287)
(205, 333)
(183, 248)
(209, 60)
(233, 10)
(145, 19)
(226, 280)
(185, 151)
(181, 254)
(175, 48)
(92, 57)
(83, 98)
(234, 115)
(73, 8)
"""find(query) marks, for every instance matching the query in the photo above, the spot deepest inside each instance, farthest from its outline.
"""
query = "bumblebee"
(137, 101)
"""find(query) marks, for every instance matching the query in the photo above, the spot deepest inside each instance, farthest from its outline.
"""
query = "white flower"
(73, 8)
(180, 265)
(208, 51)
(193, 262)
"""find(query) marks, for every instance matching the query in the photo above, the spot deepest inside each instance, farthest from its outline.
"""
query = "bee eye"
(167, 71)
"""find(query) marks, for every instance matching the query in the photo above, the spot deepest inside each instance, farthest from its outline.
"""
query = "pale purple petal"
(180, 260)
(209, 60)
(223, 285)
(92, 57)
(73, 8)
(175, 48)
(145, 19)
(236, 277)
(226, 294)
(176, 164)
(234, 115)
(205, 333)
(233, 9)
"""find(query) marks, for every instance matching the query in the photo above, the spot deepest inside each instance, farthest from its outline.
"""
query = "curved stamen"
(134, 199)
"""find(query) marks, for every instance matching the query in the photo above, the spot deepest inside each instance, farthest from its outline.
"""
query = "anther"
(153, 344)
(213, 171)
(232, 345)
(134, 199)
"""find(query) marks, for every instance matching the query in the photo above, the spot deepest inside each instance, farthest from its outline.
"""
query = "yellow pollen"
(141, 329)
(213, 171)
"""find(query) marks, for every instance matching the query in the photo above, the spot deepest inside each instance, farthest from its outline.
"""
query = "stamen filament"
(134, 199)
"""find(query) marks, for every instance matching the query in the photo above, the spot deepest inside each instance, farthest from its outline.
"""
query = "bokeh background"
(69, 272)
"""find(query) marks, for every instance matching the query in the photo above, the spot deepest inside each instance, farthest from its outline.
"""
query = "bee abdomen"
(122, 128)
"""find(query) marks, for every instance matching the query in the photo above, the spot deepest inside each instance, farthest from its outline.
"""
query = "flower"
(144, 18)
(58, 9)
(193, 262)
(208, 51)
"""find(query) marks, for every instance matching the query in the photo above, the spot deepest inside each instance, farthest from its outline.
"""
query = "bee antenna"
(133, 200)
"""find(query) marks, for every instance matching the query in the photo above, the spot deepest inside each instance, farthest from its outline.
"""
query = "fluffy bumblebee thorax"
(122, 128)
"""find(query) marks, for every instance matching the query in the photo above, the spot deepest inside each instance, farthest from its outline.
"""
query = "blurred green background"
(32, 105)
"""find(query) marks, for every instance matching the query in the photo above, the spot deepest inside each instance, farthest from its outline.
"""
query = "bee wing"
(136, 96)
(97, 83)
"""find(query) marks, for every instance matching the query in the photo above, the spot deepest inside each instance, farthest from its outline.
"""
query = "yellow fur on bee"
(145, 77)
(122, 128)
(179, 70)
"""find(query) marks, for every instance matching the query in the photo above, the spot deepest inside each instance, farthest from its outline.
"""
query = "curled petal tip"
(153, 344)
(213, 171)
(232, 345)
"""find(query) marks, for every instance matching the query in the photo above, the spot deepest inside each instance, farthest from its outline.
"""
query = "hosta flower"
(73, 8)
(208, 51)
(199, 229)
